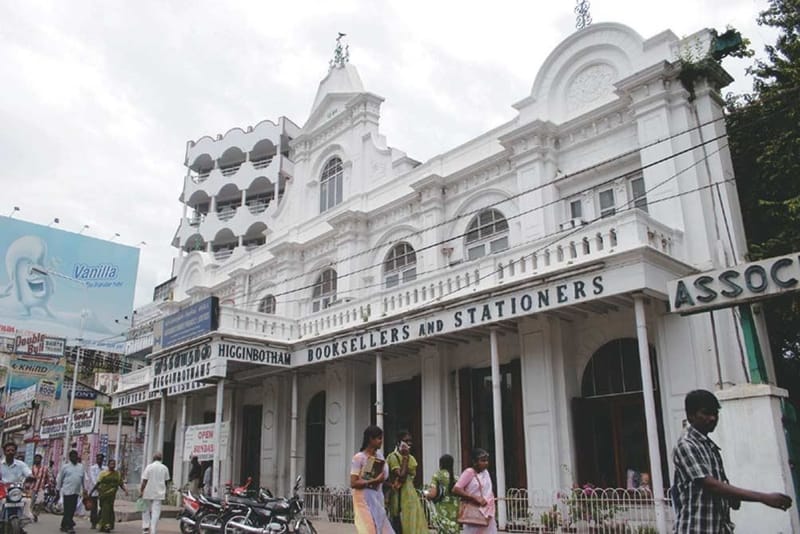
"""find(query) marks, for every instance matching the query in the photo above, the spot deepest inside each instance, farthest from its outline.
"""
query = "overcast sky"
(99, 98)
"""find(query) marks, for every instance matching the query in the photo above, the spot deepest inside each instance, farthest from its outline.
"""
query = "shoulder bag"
(470, 513)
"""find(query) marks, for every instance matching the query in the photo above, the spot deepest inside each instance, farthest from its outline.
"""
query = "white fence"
(577, 510)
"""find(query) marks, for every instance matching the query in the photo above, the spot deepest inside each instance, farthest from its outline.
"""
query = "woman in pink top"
(475, 486)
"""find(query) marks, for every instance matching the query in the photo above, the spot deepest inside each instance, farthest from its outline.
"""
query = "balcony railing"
(258, 206)
(261, 163)
(223, 253)
(226, 213)
(230, 171)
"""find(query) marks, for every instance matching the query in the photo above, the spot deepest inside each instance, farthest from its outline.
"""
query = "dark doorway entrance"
(251, 444)
(402, 411)
(609, 419)
(315, 441)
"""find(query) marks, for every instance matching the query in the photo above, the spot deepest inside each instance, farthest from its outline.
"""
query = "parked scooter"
(203, 515)
(12, 508)
(275, 516)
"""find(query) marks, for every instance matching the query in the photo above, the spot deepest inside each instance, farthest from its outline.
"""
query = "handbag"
(88, 503)
(470, 513)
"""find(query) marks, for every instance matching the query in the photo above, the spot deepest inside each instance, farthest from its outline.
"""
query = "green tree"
(764, 136)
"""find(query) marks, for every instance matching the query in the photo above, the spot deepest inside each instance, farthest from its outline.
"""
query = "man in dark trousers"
(195, 476)
(702, 495)
(70, 484)
(91, 481)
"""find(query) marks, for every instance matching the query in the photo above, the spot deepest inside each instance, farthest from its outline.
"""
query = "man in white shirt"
(70, 484)
(12, 470)
(91, 481)
(154, 491)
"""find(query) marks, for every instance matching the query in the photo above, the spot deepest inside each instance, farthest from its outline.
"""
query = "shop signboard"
(746, 282)
(83, 422)
(186, 369)
(20, 421)
(85, 397)
(135, 397)
(65, 284)
(21, 400)
(46, 391)
(265, 354)
(200, 441)
(189, 323)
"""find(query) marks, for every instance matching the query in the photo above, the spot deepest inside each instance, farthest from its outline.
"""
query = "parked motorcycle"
(12, 507)
(274, 516)
(203, 515)
(47, 503)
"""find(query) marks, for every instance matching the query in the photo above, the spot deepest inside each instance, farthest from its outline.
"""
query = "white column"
(117, 452)
(147, 436)
(162, 421)
(379, 389)
(497, 410)
(293, 432)
(216, 471)
(178, 461)
(653, 448)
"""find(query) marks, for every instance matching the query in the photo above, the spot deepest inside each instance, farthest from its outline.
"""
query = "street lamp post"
(46, 272)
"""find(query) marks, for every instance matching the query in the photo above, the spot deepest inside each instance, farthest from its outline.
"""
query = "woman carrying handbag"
(477, 508)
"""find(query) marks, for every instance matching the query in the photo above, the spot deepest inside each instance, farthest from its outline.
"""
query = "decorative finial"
(341, 55)
(584, 18)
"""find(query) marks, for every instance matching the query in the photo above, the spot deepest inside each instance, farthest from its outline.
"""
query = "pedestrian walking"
(702, 496)
(108, 482)
(405, 508)
(154, 491)
(477, 510)
(208, 473)
(195, 476)
(440, 492)
(368, 470)
(91, 481)
(70, 484)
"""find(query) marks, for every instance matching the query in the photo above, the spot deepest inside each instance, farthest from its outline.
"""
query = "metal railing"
(577, 510)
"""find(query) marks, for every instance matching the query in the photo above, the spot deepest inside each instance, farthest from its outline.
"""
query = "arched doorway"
(315, 441)
(609, 418)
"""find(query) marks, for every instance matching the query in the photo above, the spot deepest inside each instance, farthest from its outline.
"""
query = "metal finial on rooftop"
(584, 18)
(341, 55)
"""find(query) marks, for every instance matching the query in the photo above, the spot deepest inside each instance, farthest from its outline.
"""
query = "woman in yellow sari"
(107, 485)
(405, 508)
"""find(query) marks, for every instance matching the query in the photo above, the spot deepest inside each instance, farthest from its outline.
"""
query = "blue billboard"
(60, 283)
(193, 321)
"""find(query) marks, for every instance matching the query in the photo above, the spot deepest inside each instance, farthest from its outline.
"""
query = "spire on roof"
(340, 55)
(584, 18)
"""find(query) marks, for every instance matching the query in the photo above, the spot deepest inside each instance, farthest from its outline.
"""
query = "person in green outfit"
(107, 485)
(440, 492)
(405, 508)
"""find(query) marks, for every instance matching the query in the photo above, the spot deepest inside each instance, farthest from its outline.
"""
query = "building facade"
(510, 293)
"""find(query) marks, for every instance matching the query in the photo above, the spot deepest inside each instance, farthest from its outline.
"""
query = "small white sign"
(20, 400)
(742, 283)
(199, 441)
(83, 422)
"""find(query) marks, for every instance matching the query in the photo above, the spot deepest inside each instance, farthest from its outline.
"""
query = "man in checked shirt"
(702, 496)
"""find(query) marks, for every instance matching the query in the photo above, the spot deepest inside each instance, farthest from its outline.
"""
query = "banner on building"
(135, 397)
(65, 284)
(189, 323)
(46, 391)
(17, 422)
(187, 369)
(21, 400)
(200, 441)
(83, 422)
(85, 397)
(38, 346)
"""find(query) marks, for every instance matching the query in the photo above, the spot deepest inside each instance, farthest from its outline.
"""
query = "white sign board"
(742, 283)
(199, 441)
(251, 353)
(21, 400)
(83, 422)
(133, 398)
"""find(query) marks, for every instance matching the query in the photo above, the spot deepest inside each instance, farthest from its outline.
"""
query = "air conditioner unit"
(569, 224)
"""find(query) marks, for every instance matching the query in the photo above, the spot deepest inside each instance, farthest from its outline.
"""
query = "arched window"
(400, 265)
(267, 304)
(324, 293)
(330, 184)
(487, 233)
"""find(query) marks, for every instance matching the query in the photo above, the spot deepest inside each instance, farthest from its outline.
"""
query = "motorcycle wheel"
(240, 518)
(185, 529)
(305, 527)
(209, 520)
(13, 526)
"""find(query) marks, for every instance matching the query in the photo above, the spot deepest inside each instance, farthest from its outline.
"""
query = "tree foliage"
(764, 137)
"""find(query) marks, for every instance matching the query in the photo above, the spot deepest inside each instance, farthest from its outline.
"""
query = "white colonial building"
(510, 293)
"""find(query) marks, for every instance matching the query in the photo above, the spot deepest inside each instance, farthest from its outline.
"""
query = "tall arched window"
(487, 233)
(267, 304)
(400, 265)
(324, 293)
(330, 184)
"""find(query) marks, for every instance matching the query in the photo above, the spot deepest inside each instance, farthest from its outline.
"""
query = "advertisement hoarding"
(54, 282)
(21, 400)
(25, 373)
